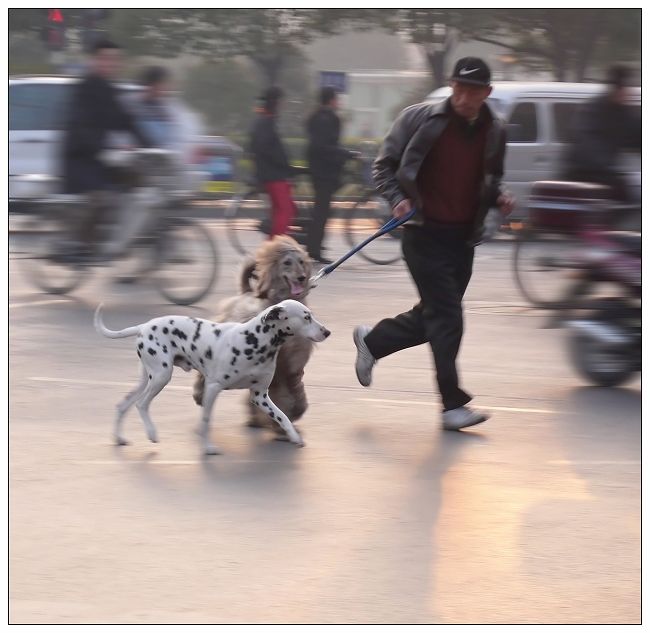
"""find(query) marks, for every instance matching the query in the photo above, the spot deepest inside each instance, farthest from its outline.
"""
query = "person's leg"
(96, 210)
(393, 334)
(405, 330)
(282, 205)
(323, 192)
(441, 268)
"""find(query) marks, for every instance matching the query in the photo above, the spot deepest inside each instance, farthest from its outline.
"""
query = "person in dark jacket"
(446, 160)
(95, 111)
(603, 129)
(272, 167)
(325, 159)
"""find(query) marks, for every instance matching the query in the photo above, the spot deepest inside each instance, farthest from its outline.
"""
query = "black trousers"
(440, 261)
(323, 193)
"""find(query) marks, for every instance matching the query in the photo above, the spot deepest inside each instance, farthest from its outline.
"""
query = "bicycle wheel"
(46, 262)
(541, 266)
(245, 221)
(186, 261)
(367, 216)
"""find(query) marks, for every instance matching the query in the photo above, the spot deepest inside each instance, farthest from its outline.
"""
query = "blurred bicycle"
(565, 220)
(367, 212)
(175, 252)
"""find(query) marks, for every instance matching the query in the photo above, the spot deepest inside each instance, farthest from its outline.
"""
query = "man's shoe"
(462, 417)
(365, 360)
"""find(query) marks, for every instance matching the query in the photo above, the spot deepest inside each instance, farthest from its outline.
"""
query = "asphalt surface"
(532, 517)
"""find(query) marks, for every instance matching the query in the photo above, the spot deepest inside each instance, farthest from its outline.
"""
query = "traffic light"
(54, 33)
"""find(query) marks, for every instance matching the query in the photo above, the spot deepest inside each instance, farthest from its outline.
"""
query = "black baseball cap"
(472, 70)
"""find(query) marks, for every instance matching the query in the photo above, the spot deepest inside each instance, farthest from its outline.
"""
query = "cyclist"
(94, 113)
(604, 128)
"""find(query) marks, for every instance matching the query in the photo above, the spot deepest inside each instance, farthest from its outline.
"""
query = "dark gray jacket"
(407, 144)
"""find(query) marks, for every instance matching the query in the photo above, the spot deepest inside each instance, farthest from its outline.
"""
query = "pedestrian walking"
(272, 167)
(325, 158)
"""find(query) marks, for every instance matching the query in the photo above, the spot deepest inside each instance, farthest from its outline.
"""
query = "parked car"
(37, 115)
(539, 117)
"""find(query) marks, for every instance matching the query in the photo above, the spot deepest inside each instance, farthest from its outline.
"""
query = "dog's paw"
(121, 441)
(210, 449)
(153, 436)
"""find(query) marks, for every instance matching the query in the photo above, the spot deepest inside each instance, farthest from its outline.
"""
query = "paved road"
(382, 517)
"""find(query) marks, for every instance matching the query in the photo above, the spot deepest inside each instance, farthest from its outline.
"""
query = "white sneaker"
(457, 419)
(365, 360)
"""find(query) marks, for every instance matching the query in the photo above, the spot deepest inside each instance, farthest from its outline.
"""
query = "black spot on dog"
(174, 344)
(139, 355)
(234, 360)
(179, 333)
(262, 350)
(208, 354)
(154, 327)
(217, 333)
(258, 328)
(152, 351)
(254, 382)
(266, 328)
(149, 376)
(140, 345)
(165, 330)
(235, 351)
(248, 351)
(151, 337)
(171, 321)
(165, 348)
(227, 376)
(164, 364)
(257, 393)
(193, 347)
(201, 361)
(157, 343)
(197, 333)
(251, 340)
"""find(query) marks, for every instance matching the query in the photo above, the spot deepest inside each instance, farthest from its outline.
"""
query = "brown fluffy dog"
(280, 270)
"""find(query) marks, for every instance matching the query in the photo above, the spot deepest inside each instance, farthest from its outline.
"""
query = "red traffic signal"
(55, 15)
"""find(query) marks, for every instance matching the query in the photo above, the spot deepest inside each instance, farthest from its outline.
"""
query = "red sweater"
(449, 181)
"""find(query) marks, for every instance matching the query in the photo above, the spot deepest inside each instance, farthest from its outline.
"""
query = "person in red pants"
(272, 166)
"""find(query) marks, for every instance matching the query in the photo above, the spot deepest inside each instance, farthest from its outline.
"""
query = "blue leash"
(393, 223)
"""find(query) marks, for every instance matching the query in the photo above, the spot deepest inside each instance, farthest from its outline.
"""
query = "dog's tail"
(102, 329)
(246, 275)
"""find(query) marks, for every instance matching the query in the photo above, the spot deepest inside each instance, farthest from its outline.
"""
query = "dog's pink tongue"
(296, 289)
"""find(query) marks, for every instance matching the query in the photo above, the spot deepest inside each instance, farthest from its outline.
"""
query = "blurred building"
(384, 72)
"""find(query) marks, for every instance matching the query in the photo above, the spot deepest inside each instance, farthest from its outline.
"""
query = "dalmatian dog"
(229, 355)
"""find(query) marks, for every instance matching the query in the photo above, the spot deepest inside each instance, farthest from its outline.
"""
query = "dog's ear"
(274, 314)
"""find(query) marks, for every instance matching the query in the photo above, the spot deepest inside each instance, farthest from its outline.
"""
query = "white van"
(539, 118)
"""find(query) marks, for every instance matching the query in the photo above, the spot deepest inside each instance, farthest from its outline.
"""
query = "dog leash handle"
(392, 224)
